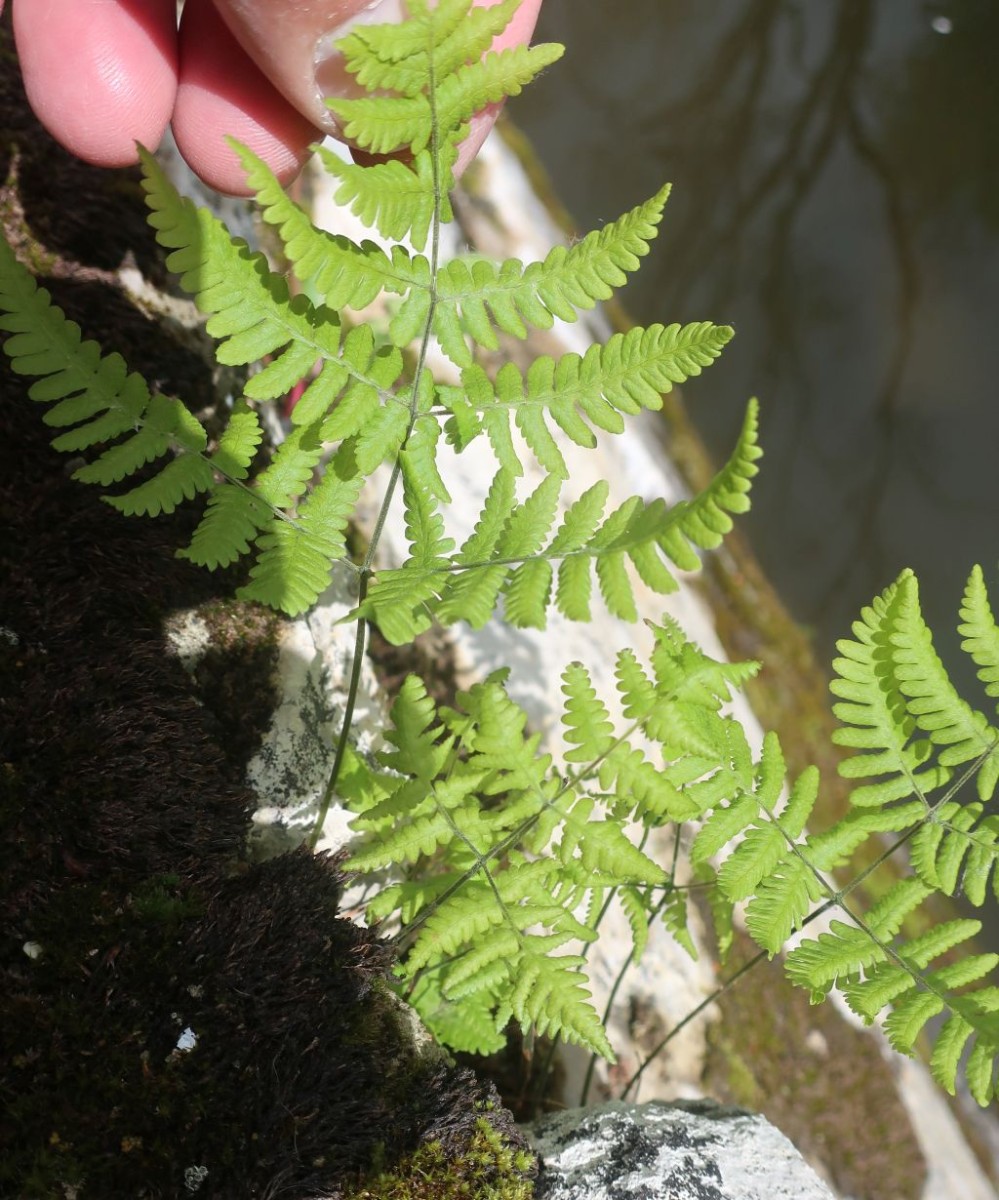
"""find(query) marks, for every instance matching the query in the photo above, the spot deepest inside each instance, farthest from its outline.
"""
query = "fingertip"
(99, 76)
(221, 95)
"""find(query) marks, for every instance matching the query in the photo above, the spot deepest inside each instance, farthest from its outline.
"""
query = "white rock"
(692, 1150)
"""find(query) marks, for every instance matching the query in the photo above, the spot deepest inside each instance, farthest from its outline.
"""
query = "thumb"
(293, 43)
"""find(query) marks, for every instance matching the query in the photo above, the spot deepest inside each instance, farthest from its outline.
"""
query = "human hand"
(102, 75)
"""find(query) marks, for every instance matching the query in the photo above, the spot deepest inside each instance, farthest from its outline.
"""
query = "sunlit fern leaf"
(844, 951)
(345, 274)
(238, 444)
(675, 920)
(387, 124)
(231, 523)
(651, 796)
(250, 308)
(504, 552)
(164, 426)
(467, 1027)
(958, 847)
(781, 904)
(551, 994)
(950, 722)
(394, 197)
(603, 848)
(634, 909)
(478, 297)
(767, 839)
(631, 372)
(979, 632)
(874, 712)
(529, 857)
(380, 59)
(721, 908)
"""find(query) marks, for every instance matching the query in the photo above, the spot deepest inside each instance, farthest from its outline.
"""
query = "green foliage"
(918, 743)
(513, 856)
(486, 1169)
(502, 858)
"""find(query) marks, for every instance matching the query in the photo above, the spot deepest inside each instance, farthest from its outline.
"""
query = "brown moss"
(235, 677)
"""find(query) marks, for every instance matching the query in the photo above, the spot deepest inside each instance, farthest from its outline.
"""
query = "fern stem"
(694, 1012)
(710, 999)
(383, 511)
(343, 737)
(625, 966)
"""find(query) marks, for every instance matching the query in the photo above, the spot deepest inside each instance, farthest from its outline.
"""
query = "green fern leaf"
(477, 297)
(947, 1050)
(781, 904)
(343, 273)
(634, 909)
(675, 920)
(875, 714)
(979, 1071)
(906, 1020)
(385, 125)
(980, 633)
(932, 699)
(767, 843)
(630, 372)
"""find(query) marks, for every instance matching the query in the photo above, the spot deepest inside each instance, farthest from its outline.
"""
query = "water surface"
(836, 198)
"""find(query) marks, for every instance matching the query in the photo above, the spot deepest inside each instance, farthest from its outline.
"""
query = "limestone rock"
(690, 1150)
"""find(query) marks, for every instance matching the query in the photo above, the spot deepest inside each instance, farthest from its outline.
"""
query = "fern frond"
(388, 124)
(343, 273)
(630, 372)
(932, 699)
(957, 847)
(99, 400)
(874, 712)
(478, 297)
(506, 555)
(980, 633)
(675, 920)
(527, 856)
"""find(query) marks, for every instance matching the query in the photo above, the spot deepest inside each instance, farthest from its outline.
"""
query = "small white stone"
(32, 949)
(187, 1040)
(194, 1177)
(815, 1040)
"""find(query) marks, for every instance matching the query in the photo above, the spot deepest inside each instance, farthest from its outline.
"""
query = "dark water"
(836, 198)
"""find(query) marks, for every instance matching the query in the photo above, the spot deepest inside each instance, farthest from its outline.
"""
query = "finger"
(305, 66)
(223, 93)
(292, 43)
(100, 75)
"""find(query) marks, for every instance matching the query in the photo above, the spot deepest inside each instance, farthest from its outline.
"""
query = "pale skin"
(102, 75)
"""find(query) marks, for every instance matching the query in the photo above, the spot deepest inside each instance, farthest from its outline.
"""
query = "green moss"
(488, 1169)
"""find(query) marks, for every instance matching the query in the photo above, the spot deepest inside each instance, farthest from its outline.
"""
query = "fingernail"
(333, 81)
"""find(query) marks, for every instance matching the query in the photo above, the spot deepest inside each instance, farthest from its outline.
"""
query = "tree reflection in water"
(836, 200)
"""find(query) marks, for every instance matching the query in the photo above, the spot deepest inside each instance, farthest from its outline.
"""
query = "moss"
(487, 1168)
(235, 677)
